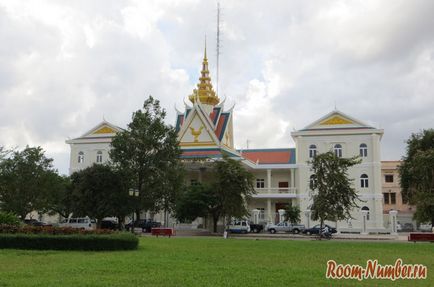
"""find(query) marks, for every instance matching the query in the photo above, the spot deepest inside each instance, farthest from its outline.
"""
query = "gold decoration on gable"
(196, 133)
(105, 130)
(336, 120)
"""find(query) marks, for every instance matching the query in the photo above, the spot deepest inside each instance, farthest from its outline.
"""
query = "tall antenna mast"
(218, 47)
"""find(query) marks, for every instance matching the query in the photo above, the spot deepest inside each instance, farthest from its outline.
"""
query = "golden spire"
(204, 92)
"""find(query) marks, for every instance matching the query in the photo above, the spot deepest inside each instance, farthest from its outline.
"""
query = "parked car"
(398, 226)
(425, 227)
(79, 222)
(256, 228)
(109, 224)
(316, 228)
(285, 227)
(34, 222)
(145, 224)
(239, 226)
(408, 227)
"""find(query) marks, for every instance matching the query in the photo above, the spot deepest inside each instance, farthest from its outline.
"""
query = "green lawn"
(209, 262)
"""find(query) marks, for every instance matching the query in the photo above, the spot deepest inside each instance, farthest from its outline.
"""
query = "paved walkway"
(401, 237)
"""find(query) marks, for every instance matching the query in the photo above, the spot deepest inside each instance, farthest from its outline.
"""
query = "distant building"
(392, 196)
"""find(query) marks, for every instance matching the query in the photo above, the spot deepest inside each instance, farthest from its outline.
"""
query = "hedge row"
(54, 230)
(120, 241)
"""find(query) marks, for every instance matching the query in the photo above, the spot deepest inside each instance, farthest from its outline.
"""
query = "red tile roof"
(271, 156)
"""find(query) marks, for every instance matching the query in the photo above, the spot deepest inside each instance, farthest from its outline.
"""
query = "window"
(338, 150)
(367, 209)
(364, 181)
(386, 198)
(363, 150)
(388, 178)
(99, 156)
(260, 183)
(283, 186)
(312, 151)
(393, 198)
(312, 182)
(81, 157)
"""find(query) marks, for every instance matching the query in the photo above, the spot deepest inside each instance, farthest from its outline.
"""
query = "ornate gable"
(336, 120)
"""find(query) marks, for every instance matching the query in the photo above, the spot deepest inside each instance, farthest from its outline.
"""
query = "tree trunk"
(321, 226)
(98, 223)
(215, 220)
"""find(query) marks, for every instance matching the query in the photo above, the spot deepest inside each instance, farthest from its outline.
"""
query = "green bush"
(120, 241)
(54, 230)
(9, 218)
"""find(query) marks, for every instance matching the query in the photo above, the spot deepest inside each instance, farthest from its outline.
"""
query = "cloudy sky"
(66, 64)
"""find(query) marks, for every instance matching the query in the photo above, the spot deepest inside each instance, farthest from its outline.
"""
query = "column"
(393, 222)
(269, 210)
(307, 214)
(269, 180)
(364, 218)
(255, 213)
(281, 215)
(292, 180)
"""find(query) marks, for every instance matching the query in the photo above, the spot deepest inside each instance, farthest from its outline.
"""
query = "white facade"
(205, 134)
(355, 139)
(92, 147)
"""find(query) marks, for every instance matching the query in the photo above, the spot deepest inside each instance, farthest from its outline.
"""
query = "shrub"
(9, 218)
(53, 230)
(119, 241)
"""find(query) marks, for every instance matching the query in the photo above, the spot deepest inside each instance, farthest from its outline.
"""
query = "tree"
(169, 188)
(233, 187)
(196, 201)
(99, 191)
(147, 152)
(26, 177)
(225, 197)
(417, 175)
(292, 214)
(333, 195)
(60, 199)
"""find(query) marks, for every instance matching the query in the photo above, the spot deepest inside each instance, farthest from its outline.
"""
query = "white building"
(205, 133)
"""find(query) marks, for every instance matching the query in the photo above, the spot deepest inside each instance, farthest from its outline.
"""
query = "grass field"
(209, 262)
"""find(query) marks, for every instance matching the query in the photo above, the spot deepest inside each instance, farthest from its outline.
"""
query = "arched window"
(364, 181)
(99, 157)
(81, 157)
(367, 209)
(338, 150)
(363, 150)
(312, 181)
(312, 151)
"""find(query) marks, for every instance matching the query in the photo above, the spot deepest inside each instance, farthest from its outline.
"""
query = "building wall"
(371, 196)
(90, 151)
(390, 169)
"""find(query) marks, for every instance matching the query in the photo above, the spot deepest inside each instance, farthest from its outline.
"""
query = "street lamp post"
(134, 193)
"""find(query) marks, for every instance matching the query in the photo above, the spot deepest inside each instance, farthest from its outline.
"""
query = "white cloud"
(65, 64)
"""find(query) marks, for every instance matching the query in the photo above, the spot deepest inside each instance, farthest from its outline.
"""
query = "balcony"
(275, 192)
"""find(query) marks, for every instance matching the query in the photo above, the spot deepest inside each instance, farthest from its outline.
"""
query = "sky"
(66, 65)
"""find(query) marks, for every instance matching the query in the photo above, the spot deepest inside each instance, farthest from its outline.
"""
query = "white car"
(425, 227)
(79, 222)
(239, 226)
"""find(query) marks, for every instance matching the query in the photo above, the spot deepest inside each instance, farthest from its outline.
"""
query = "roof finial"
(204, 56)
